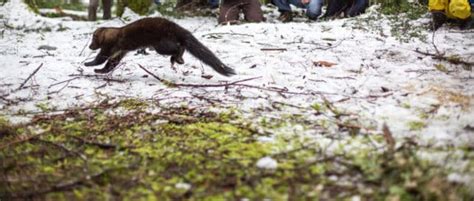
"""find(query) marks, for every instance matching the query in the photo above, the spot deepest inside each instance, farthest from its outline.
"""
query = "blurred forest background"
(187, 7)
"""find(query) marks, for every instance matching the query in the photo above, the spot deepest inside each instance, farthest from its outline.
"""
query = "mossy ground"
(98, 153)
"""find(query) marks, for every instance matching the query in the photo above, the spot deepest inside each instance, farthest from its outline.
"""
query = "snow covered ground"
(376, 78)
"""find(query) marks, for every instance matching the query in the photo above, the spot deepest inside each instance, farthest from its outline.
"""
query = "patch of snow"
(267, 163)
(184, 186)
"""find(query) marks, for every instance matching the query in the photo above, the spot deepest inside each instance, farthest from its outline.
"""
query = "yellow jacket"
(456, 9)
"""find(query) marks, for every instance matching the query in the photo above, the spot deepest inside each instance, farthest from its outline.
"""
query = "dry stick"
(285, 91)
(59, 90)
(58, 83)
(80, 54)
(432, 40)
(66, 186)
(223, 33)
(387, 134)
(273, 49)
(150, 73)
(29, 77)
(102, 145)
(217, 85)
(444, 58)
(197, 85)
(23, 139)
(235, 83)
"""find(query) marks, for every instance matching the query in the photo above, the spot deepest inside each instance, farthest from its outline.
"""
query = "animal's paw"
(91, 63)
(178, 60)
(101, 71)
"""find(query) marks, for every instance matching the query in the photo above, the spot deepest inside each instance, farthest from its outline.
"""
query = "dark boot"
(439, 18)
(466, 24)
(285, 16)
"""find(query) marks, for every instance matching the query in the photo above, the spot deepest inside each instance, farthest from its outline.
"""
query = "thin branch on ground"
(223, 33)
(101, 145)
(58, 83)
(273, 49)
(450, 59)
(31, 75)
(150, 73)
(216, 85)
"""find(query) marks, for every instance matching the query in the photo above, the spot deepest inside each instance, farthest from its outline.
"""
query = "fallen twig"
(102, 145)
(387, 134)
(450, 59)
(150, 73)
(227, 34)
(22, 139)
(273, 49)
(29, 77)
(216, 85)
(285, 91)
(58, 83)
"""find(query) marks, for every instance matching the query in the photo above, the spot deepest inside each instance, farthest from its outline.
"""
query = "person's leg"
(253, 11)
(213, 3)
(282, 5)
(335, 7)
(437, 9)
(229, 12)
(358, 7)
(107, 5)
(313, 9)
(92, 11)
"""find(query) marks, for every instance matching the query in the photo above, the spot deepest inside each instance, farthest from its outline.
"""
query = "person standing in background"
(92, 11)
(454, 10)
(230, 10)
(313, 8)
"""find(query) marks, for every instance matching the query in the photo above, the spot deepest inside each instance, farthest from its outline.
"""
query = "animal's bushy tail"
(198, 50)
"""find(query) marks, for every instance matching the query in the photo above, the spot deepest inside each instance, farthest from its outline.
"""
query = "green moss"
(131, 104)
(416, 125)
(183, 154)
(6, 129)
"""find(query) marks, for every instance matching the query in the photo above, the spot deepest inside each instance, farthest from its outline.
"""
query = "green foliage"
(413, 10)
(402, 17)
(141, 7)
(168, 8)
(35, 4)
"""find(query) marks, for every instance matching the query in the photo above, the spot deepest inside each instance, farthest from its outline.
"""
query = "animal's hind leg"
(178, 57)
(173, 48)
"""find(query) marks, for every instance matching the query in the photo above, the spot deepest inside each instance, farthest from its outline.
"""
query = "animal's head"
(103, 36)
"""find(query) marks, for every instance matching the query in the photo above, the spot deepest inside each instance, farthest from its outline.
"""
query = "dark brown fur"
(166, 37)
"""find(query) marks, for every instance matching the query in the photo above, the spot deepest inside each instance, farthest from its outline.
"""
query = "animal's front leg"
(99, 59)
(112, 63)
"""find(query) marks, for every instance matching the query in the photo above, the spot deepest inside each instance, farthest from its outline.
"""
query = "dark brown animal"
(166, 37)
